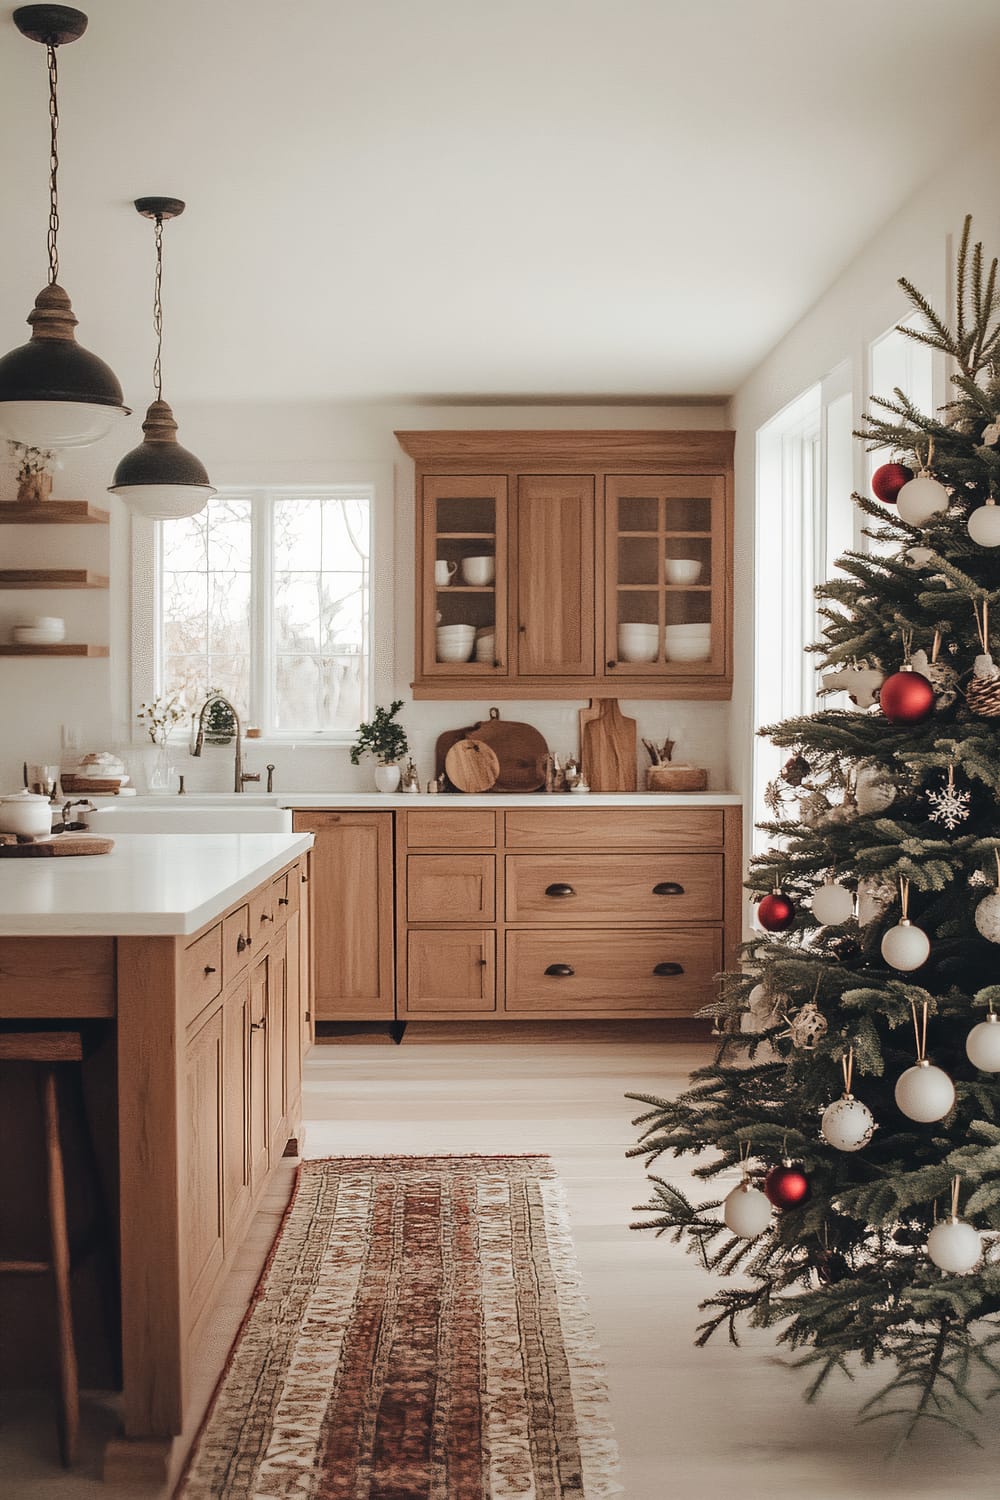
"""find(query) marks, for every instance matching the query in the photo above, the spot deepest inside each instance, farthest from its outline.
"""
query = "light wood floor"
(717, 1424)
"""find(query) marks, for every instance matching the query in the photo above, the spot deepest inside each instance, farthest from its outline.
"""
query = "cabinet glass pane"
(690, 513)
(472, 513)
(465, 578)
(639, 560)
(638, 513)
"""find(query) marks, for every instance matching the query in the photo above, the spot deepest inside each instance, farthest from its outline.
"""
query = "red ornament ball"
(775, 912)
(889, 480)
(906, 698)
(786, 1186)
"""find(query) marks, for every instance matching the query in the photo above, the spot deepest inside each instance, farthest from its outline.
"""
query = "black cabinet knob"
(209, 970)
(667, 971)
(242, 943)
(282, 900)
(559, 888)
(611, 664)
(560, 971)
(668, 888)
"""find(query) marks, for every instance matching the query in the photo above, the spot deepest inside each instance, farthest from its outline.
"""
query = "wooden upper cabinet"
(555, 575)
(583, 563)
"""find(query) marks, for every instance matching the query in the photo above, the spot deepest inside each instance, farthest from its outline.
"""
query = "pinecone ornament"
(982, 691)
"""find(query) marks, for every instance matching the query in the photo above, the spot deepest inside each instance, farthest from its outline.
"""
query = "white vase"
(387, 778)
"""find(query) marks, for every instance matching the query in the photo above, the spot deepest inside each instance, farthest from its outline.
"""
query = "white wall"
(286, 444)
(864, 301)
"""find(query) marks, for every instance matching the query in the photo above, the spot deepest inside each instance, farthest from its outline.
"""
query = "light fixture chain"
(53, 233)
(158, 309)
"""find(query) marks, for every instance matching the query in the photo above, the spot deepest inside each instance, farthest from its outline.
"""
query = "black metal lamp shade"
(159, 478)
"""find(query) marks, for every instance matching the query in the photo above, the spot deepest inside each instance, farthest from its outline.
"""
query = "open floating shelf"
(51, 578)
(53, 513)
(64, 648)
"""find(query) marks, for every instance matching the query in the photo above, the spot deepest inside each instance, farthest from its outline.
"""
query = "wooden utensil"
(54, 848)
(472, 766)
(607, 747)
(520, 749)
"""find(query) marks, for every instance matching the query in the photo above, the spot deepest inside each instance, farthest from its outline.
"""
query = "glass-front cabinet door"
(666, 601)
(463, 596)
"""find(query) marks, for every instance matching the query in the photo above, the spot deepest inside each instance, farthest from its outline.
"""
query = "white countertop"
(546, 800)
(150, 885)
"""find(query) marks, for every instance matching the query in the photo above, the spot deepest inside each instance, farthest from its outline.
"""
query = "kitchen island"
(190, 954)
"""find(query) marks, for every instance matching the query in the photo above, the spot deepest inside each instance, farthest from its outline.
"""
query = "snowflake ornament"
(950, 805)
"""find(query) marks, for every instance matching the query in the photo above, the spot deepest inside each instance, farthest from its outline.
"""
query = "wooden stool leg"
(69, 1390)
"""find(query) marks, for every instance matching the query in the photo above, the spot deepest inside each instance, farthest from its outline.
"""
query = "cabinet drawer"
(262, 905)
(285, 895)
(609, 972)
(201, 972)
(450, 888)
(451, 829)
(639, 888)
(237, 943)
(450, 972)
(606, 828)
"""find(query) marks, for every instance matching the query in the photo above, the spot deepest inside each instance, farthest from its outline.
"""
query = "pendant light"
(53, 394)
(161, 479)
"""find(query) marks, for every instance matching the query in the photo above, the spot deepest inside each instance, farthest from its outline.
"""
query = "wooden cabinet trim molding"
(602, 447)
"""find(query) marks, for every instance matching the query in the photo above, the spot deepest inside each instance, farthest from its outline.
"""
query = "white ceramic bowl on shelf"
(683, 569)
(688, 650)
(462, 651)
(37, 635)
(638, 641)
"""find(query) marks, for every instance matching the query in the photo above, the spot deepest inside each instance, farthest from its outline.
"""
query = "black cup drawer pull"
(559, 888)
(668, 888)
(560, 971)
(667, 971)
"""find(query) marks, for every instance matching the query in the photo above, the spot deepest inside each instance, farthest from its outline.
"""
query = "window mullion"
(261, 642)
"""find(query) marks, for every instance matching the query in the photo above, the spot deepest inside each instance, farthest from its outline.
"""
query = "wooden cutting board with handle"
(444, 744)
(54, 848)
(520, 749)
(471, 766)
(607, 747)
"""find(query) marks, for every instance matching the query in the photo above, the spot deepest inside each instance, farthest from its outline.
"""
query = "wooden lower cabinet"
(449, 972)
(259, 1132)
(236, 1105)
(204, 1083)
(351, 914)
(549, 912)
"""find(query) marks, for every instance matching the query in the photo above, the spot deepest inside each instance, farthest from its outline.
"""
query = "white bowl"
(34, 635)
(687, 632)
(456, 630)
(461, 651)
(683, 569)
(478, 571)
(688, 650)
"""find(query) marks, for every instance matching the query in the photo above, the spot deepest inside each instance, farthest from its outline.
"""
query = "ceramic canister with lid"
(26, 813)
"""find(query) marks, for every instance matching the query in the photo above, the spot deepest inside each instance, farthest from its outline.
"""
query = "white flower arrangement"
(29, 460)
(160, 715)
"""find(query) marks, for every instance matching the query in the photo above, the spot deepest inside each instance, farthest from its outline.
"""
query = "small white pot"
(387, 778)
(26, 813)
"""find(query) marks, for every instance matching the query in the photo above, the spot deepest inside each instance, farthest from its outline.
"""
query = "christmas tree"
(856, 1081)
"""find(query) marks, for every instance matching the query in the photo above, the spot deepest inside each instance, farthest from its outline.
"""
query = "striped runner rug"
(419, 1331)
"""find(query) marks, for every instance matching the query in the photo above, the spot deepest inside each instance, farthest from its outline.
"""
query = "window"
(803, 524)
(266, 597)
(897, 362)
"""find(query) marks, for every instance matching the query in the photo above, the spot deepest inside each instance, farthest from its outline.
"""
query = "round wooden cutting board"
(471, 766)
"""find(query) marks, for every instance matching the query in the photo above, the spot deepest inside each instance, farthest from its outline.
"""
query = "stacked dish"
(688, 642)
(39, 630)
(486, 644)
(638, 641)
(455, 642)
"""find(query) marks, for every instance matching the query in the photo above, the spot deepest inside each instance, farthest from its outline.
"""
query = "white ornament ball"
(847, 1124)
(988, 917)
(917, 557)
(984, 526)
(832, 904)
(921, 498)
(955, 1246)
(924, 1093)
(873, 789)
(983, 1045)
(746, 1211)
(905, 947)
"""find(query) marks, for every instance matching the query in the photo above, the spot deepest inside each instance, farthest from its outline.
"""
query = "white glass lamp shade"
(53, 394)
(159, 478)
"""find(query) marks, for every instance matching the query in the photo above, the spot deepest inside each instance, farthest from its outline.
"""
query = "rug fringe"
(598, 1445)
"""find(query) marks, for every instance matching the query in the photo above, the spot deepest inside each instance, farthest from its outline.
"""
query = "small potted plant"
(386, 740)
(158, 718)
(34, 476)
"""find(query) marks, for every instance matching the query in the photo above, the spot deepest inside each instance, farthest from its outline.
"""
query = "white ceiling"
(474, 198)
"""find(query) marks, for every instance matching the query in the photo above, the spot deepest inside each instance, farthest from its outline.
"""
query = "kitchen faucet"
(240, 777)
